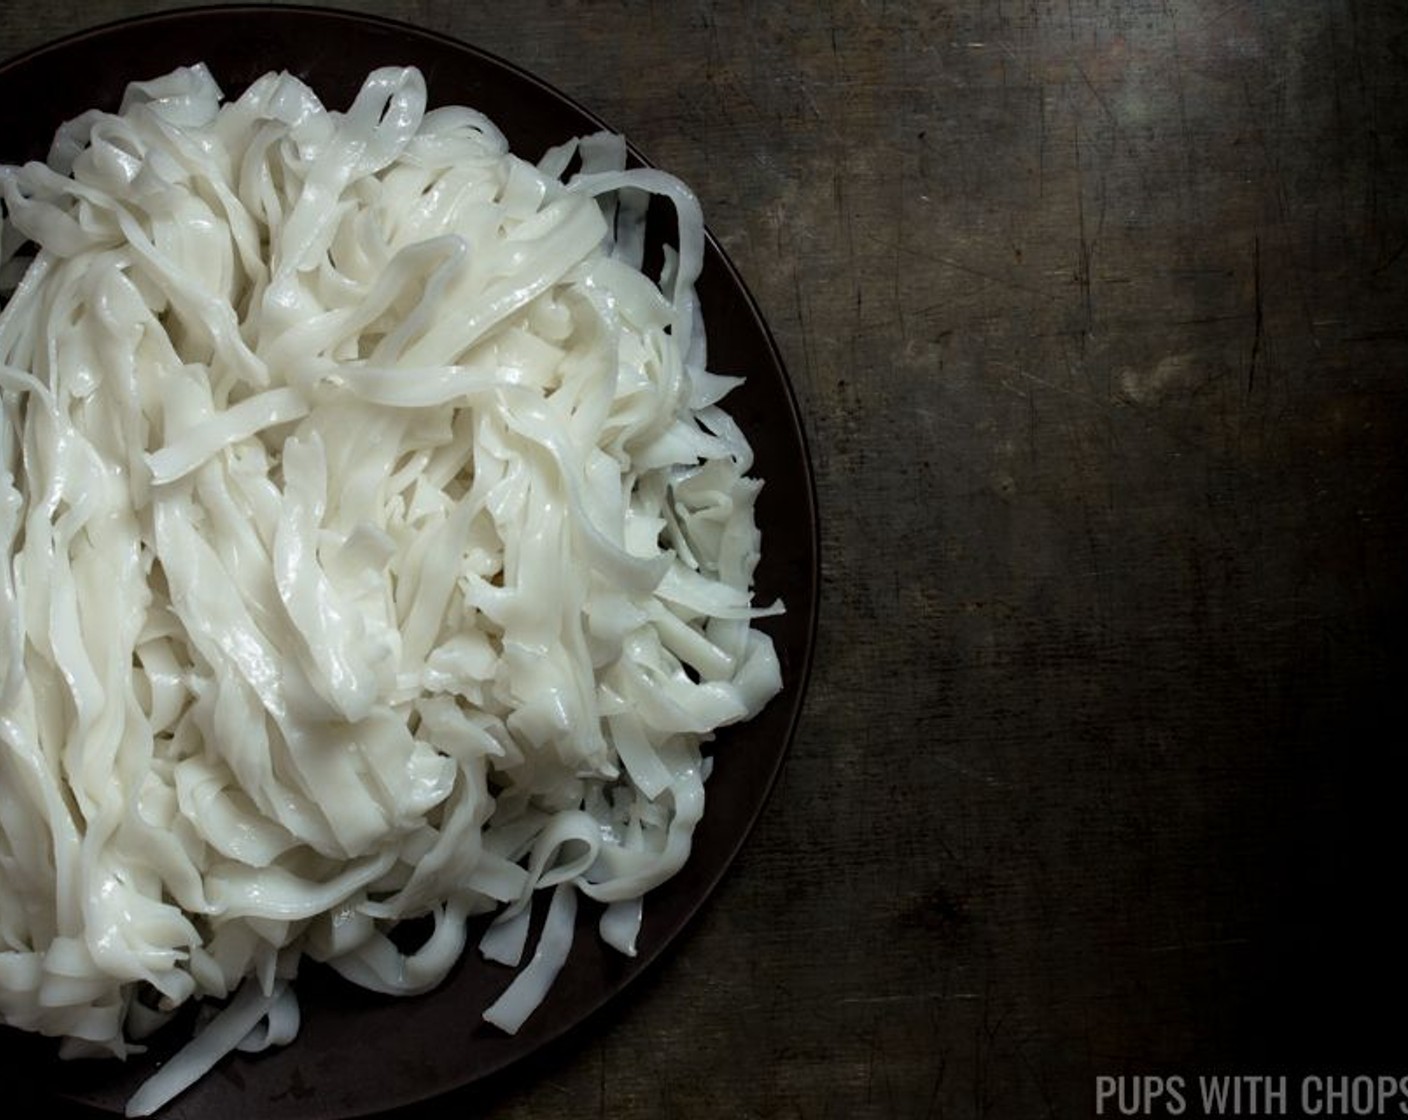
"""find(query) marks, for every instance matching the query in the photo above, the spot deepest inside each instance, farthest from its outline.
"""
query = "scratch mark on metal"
(1212, 944)
(1086, 249)
(1257, 322)
(907, 997)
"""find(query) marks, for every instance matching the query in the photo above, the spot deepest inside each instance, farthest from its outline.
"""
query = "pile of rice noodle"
(375, 547)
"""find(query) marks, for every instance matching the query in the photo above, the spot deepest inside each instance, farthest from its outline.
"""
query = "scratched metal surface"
(1096, 314)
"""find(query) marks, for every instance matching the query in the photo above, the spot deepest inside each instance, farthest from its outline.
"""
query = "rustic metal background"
(1096, 313)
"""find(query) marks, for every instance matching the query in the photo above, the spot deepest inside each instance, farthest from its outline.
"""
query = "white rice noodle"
(376, 548)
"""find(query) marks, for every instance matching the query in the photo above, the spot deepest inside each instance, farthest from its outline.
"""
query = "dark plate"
(358, 1054)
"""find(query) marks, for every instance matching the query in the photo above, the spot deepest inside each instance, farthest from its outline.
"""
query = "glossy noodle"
(377, 547)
